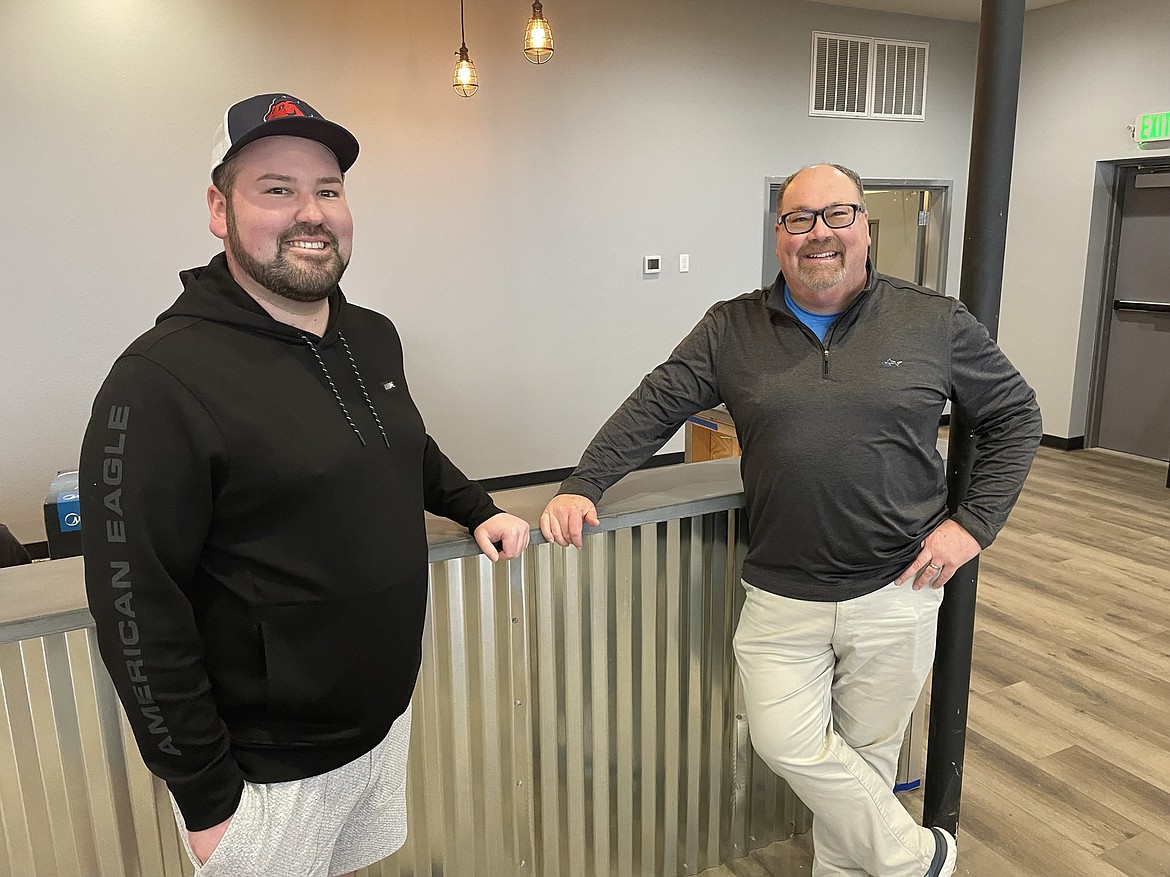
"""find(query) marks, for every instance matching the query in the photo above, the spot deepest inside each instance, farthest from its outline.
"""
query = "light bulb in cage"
(538, 38)
(465, 82)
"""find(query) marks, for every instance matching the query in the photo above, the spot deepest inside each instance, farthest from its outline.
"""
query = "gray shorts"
(319, 826)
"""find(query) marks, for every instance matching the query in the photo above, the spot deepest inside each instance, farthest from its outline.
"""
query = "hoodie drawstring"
(336, 395)
(362, 385)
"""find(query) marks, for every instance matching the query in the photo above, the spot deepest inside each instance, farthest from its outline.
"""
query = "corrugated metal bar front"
(577, 714)
(75, 798)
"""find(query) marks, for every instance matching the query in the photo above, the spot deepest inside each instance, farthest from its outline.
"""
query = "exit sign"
(1151, 128)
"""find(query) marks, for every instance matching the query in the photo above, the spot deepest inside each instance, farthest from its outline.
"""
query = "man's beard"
(821, 277)
(282, 276)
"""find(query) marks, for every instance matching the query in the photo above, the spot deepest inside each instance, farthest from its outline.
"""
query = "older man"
(836, 377)
(253, 482)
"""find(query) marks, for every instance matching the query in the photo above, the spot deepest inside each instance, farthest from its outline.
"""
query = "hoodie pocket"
(333, 666)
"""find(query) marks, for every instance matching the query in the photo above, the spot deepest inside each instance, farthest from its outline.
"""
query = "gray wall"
(1089, 68)
(503, 234)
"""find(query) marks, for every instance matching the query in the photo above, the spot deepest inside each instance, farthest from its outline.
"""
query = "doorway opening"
(909, 224)
(1129, 388)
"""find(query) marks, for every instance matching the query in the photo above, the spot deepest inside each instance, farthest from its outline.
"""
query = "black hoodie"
(255, 548)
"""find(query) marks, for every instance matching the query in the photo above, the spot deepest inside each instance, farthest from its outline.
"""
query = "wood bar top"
(49, 597)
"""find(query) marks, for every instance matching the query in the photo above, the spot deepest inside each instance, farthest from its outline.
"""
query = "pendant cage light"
(538, 38)
(465, 81)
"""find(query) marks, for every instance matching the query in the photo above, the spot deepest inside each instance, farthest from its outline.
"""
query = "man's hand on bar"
(502, 537)
(563, 519)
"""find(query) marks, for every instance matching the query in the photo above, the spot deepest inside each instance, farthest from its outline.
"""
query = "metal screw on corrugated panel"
(519, 783)
(515, 620)
(517, 703)
(752, 839)
(739, 718)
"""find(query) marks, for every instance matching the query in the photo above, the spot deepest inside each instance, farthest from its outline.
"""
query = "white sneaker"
(945, 854)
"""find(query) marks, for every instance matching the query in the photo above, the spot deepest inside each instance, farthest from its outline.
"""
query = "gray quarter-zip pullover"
(840, 468)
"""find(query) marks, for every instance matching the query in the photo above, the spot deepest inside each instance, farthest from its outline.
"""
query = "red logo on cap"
(282, 108)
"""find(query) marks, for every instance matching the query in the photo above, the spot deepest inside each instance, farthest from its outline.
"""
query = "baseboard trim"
(552, 476)
(1075, 443)
(40, 550)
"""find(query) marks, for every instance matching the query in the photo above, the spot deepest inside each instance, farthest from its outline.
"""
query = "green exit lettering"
(1154, 126)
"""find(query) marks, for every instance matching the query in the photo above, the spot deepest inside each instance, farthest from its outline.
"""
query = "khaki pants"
(830, 688)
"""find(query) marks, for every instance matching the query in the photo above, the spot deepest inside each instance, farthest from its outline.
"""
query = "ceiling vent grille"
(864, 77)
(840, 77)
(899, 82)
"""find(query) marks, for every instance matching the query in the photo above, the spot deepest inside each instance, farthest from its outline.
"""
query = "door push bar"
(1152, 307)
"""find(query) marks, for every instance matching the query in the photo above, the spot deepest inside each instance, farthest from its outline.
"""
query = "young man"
(836, 377)
(253, 479)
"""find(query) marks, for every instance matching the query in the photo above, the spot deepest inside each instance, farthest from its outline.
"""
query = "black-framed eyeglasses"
(834, 216)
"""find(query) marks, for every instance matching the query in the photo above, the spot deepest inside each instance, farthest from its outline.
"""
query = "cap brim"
(329, 134)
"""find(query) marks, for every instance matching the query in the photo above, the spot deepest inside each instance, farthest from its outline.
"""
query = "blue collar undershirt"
(819, 323)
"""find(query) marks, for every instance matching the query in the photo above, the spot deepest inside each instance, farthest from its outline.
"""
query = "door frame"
(1105, 226)
(946, 187)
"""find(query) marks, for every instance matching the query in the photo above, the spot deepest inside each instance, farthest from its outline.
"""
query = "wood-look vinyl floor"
(1068, 747)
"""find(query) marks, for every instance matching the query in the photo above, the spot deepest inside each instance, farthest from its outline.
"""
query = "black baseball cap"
(270, 115)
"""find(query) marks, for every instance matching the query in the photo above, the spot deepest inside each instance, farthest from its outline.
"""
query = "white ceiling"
(958, 10)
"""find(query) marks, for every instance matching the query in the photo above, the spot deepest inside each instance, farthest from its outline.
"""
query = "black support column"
(997, 88)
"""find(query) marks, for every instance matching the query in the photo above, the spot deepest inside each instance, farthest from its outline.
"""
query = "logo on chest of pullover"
(389, 385)
(892, 363)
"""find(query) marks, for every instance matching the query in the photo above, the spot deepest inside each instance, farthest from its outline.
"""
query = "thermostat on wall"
(651, 264)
